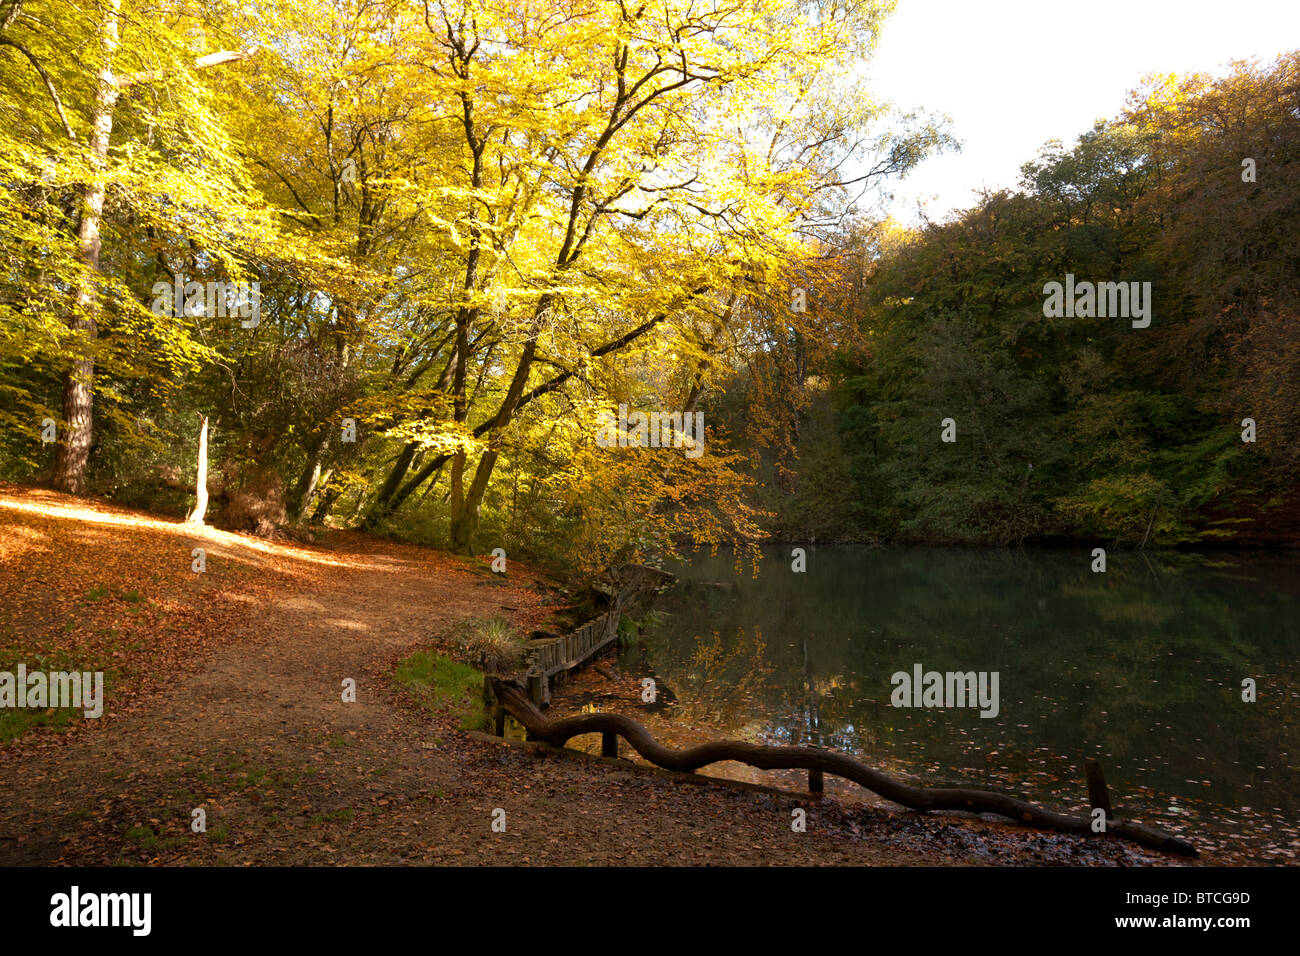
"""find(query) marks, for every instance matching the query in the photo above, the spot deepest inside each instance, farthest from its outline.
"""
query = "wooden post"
(537, 688)
(1098, 794)
(816, 783)
(609, 744)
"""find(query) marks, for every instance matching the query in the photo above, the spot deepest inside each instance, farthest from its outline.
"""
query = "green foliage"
(1078, 426)
(628, 631)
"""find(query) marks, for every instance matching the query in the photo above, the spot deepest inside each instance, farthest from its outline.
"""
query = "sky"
(1013, 74)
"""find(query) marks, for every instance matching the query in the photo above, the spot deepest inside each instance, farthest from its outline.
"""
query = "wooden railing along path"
(548, 657)
(511, 699)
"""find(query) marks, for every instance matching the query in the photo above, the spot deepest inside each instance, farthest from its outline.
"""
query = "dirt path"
(230, 699)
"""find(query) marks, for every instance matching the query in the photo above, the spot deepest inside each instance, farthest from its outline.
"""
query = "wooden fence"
(817, 762)
(548, 657)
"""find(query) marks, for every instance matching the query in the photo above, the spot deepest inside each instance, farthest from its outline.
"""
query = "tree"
(112, 79)
(1132, 435)
(201, 483)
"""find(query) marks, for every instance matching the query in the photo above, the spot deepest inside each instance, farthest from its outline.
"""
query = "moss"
(151, 842)
(444, 686)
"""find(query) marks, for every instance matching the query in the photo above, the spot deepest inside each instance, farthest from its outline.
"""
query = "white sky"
(1013, 74)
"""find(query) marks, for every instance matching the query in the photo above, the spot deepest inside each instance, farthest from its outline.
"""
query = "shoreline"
(237, 710)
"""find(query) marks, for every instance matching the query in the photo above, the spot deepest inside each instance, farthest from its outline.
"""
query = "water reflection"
(1140, 666)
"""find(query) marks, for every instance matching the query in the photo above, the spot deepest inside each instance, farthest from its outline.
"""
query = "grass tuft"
(491, 644)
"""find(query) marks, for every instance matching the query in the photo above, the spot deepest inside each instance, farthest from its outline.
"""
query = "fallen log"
(559, 732)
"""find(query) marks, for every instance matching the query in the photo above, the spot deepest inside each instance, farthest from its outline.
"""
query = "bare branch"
(49, 84)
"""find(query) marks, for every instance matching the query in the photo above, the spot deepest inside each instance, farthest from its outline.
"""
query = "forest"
(395, 264)
(568, 432)
(1079, 427)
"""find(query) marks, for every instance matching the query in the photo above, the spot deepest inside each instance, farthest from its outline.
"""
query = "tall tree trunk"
(456, 492)
(464, 519)
(201, 483)
(380, 508)
(322, 480)
(465, 507)
(304, 491)
(326, 505)
(79, 381)
(308, 484)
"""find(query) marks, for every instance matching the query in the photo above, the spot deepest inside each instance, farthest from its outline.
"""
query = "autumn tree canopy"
(472, 229)
(406, 258)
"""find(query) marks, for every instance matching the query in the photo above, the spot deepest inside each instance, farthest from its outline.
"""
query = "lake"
(1140, 666)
